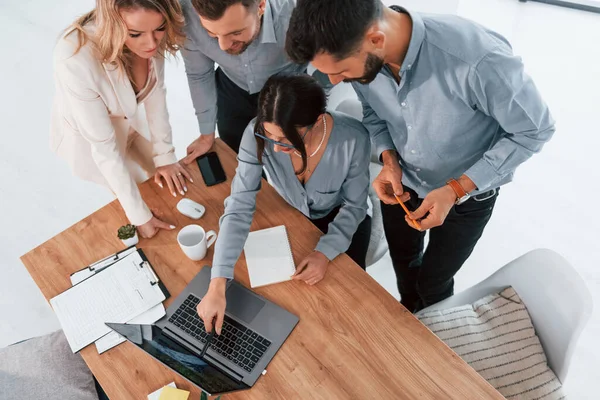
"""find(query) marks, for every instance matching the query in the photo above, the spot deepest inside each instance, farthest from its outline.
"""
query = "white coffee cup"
(194, 241)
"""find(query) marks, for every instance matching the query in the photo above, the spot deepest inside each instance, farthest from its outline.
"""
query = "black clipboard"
(156, 280)
(103, 263)
(114, 258)
(143, 267)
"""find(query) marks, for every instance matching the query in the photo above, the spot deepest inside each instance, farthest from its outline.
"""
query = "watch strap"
(458, 189)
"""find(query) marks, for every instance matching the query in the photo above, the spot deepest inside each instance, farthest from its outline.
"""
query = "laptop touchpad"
(242, 304)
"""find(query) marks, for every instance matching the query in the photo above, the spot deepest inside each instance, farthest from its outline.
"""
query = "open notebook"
(269, 256)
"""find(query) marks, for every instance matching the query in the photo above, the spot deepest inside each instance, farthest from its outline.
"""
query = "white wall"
(428, 6)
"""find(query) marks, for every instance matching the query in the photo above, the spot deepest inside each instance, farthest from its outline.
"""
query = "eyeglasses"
(277, 143)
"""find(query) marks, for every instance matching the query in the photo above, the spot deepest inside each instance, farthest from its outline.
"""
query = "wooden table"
(354, 340)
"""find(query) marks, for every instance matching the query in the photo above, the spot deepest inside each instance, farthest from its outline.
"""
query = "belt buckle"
(486, 195)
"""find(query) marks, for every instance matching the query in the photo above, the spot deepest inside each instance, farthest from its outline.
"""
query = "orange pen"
(414, 222)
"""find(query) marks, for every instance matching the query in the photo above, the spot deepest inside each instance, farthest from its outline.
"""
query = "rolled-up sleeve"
(354, 193)
(378, 129)
(239, 208)
(501, 89)
(200, 71)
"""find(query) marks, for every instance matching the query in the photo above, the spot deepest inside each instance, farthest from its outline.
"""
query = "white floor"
(552, 203)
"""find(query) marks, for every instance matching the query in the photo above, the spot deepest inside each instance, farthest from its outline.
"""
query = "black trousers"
(426, 276)
(360, 241)
(235, 109)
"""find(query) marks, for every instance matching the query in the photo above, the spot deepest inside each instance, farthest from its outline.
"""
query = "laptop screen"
(153, 341)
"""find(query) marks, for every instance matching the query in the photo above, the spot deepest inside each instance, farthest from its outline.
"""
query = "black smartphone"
(211, 169)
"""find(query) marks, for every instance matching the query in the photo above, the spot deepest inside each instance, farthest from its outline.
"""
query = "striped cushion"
(496, 337)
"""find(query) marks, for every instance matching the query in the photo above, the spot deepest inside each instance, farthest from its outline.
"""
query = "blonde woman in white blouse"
(109, 62)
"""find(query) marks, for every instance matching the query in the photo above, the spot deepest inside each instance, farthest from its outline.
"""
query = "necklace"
(322, 140)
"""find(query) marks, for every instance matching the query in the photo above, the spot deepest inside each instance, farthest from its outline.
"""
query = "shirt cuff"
(382, 145)
(221, 271)
(139, 217)
(482, 174)
(165, 159)
(206, 128)
(327, 250)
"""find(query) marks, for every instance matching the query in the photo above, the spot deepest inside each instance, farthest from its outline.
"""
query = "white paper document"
(98, 266)
(113, 339)
(269, 256)
(118, 294)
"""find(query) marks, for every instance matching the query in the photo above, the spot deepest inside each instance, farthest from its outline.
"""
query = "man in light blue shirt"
(246, 38)
(451, 113)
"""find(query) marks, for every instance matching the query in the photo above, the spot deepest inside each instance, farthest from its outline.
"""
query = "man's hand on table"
(199, 147)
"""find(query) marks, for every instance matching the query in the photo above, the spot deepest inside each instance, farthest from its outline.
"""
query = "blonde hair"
(111, 30)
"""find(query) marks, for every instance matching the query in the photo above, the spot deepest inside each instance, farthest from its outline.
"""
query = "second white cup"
(194, 241)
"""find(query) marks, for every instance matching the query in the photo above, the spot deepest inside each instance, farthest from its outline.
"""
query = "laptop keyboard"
(241, 345)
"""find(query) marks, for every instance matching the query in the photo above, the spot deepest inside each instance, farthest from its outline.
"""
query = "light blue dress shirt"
(340, 179)
(250, 70)
(464, 105)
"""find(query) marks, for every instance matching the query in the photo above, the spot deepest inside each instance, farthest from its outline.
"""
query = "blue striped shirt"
(464, 105)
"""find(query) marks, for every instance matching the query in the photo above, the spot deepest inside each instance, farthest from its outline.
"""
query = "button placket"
(412, 145)
(245, 67)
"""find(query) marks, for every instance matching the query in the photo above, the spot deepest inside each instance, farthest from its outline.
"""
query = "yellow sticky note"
(170, 393)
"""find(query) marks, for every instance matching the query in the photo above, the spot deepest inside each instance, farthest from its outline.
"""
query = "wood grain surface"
(354, 340)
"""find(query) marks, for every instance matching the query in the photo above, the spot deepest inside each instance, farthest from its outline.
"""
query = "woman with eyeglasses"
(317, 161)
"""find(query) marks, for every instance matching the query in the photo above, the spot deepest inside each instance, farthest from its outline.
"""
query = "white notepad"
(269, 256)
(121, 292)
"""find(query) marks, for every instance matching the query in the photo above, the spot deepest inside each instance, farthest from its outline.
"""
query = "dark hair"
(336, 27)
(289, 101)
(214, 9)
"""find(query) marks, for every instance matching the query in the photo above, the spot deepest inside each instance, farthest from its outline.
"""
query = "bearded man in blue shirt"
(451, 114)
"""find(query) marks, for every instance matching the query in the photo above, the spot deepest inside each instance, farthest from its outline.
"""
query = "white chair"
(556, 297)
(377, 243)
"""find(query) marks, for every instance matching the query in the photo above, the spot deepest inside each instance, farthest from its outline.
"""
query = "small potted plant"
(128, 235)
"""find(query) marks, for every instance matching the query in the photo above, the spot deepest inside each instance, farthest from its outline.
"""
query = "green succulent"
(126, 232)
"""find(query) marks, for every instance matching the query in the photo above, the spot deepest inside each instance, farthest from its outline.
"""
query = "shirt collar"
(267, 30)
(416, 38)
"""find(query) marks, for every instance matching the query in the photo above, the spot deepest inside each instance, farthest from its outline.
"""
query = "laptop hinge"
(215, 363)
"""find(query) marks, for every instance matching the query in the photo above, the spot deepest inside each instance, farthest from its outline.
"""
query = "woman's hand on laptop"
(312, 269)
(212, 307)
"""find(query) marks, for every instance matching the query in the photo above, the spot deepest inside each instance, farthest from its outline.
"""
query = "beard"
(234, 50)
(373, 65)
(238, 47)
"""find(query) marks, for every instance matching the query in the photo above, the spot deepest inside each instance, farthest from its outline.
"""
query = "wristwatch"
(461, 195)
